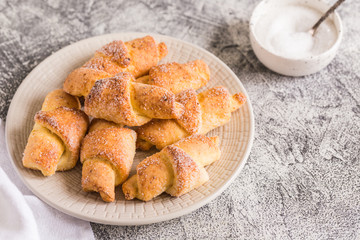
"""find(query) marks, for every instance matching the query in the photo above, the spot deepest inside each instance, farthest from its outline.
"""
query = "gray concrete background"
(302, 178)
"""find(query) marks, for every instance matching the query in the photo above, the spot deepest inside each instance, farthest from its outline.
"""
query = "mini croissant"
(107, 154)
(136, 56)
(203, 112)
(121, 100)
(54, 142)
(177, 169)
(177, 77)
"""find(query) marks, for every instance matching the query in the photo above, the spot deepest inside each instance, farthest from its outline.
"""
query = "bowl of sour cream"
(281, 40)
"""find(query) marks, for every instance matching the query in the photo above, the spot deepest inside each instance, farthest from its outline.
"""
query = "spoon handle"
(323, 17)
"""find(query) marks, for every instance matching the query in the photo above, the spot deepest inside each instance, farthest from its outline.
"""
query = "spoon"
(312, 31)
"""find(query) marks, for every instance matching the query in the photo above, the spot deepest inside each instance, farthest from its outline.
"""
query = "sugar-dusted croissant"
(120, 100)
(54, 142)
(136, 56)
(203, 112)
(177, 77)
(177, 169)
(107, 153)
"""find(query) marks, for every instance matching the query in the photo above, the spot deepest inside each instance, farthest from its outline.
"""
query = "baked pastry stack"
(121, 100)
(125, 88)
(136, 57)
(107, 153)
(203, 112)
(54, 142)
(178, 77)
(177, 169)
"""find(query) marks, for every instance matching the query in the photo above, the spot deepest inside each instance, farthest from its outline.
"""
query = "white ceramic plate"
(63, 190)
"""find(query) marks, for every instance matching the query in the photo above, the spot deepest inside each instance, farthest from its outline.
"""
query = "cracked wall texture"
(302, 177)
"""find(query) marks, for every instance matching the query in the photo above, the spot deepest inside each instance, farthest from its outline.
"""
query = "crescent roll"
(54, 142)
(178, 77)
(107, 154)
(120, 100)
(136, 56)
(203, 112)
(176, 170)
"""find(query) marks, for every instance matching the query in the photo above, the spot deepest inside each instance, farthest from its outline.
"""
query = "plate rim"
(147, 220)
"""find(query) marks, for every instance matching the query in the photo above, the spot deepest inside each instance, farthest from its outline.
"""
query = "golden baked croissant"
(177, 77)
(136, 56)
(107, 153)
(120, 100)
(177, 169)
(203, 112)
(54, 142)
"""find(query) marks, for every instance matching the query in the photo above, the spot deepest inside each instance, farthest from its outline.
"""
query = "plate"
(63, 190)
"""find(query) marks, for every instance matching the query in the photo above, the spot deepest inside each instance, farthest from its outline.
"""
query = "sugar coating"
(121, 100)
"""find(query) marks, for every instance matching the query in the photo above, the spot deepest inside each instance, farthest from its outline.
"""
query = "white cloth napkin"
(24, 216)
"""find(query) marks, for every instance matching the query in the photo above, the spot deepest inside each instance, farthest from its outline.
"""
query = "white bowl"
(291, 66)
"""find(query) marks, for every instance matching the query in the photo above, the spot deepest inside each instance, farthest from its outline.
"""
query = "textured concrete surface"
(302, 178)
